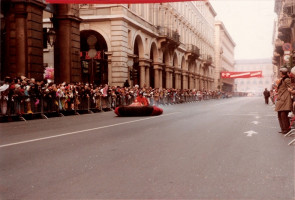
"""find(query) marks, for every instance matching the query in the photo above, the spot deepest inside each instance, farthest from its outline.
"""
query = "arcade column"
(161, 76)
(110, 80)
(201, 85)
(177, 78)
(147, 75)
(206, 83)
(142, 75)
(185, 81)
(21, 39)
(191, 81)
(24, 39)
(197, 82)
(169, 71)
(67, 46)
(157, 75)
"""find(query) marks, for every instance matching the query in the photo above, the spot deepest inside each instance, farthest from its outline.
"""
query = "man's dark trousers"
(284, 121)
(266, 100)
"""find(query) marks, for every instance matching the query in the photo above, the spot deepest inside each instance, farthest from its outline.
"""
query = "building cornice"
(211, 8)
(220, 23)
(98, 18)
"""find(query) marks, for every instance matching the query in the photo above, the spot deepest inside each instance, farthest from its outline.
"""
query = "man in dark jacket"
(266, 94)
(284, 101)
(126, 84)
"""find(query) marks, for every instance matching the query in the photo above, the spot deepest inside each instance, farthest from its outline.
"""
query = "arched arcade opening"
(94, 61)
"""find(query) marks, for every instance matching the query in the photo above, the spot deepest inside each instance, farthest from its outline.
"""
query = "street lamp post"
(51, 37)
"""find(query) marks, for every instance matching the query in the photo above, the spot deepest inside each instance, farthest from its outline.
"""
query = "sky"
(250, 23)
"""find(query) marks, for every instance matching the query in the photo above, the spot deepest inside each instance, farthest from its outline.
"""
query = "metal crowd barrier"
(28, 107)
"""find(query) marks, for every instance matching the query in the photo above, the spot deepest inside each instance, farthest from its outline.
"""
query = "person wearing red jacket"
(141, 99)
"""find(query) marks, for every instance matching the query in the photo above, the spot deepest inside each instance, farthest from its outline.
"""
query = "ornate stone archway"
(94, 69)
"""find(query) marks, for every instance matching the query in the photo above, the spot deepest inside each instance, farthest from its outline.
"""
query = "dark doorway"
(94, 67)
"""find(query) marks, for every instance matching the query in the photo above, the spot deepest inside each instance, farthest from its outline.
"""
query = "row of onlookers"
(23, 95)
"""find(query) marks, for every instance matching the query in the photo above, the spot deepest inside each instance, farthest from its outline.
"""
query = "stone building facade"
(169, 45)
(23, 38)
(224, 57)
(159, 45)
(284, 33)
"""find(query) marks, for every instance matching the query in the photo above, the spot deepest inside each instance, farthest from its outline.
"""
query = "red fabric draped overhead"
(112, 1)
(247, 74)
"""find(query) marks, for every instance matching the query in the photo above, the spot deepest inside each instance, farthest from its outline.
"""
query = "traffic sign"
(287, 52)
(92, 53)
(286, 58)
(287, 47)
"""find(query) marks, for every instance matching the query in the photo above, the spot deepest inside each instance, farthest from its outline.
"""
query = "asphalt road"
(218, 149)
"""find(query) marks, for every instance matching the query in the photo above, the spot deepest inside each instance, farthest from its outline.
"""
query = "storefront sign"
(85, 55)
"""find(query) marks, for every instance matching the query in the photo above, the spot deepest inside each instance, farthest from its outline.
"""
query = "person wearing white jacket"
(4, 90)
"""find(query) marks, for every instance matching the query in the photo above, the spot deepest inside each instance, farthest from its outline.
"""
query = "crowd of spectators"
(23, 95)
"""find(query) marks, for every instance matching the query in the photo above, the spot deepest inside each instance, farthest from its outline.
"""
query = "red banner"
(84, 55)
(112, 1)
(249, 74)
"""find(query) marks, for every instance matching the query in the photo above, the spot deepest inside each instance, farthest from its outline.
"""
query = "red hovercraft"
(139, 108)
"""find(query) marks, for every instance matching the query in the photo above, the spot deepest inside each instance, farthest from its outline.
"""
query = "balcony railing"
(284, 36)
(193, 50)
(169, 34)
(289, 7)
(285, 23)
(208, 60)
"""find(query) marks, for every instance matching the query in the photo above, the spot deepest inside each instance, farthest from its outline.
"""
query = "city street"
(217, 149)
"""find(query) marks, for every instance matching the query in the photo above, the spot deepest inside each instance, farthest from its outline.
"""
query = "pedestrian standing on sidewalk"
(266, 94)
(284, 102)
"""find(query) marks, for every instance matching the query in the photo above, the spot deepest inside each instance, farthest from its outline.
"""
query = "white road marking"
(81, 131)
(221, 104)
(254, 113)
(255, 122)
(250, 114)
(238, 114)
(250, 133)
(271, 115)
